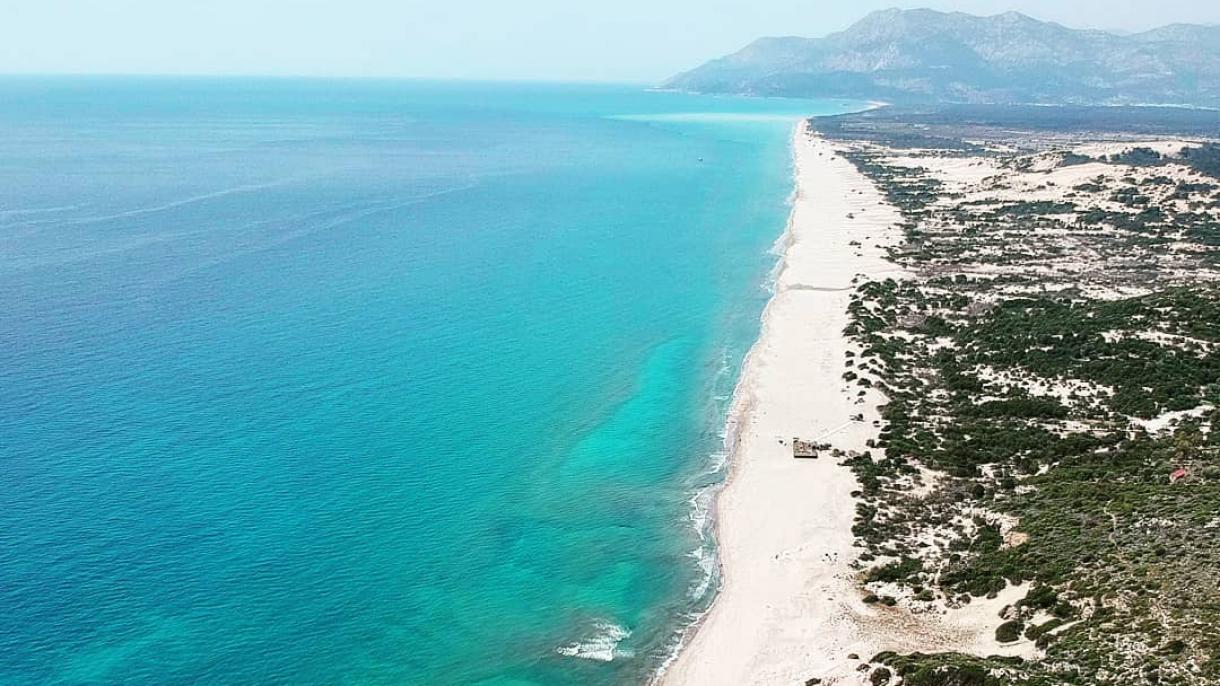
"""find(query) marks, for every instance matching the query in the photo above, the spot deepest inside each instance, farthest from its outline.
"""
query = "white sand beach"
(790, 608)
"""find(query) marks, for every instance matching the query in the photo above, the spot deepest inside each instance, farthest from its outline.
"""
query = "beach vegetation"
(1055, 400)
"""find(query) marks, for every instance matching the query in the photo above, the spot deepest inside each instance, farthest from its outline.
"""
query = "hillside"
(925, 55)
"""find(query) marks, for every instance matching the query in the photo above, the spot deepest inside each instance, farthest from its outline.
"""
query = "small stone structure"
(804, 450)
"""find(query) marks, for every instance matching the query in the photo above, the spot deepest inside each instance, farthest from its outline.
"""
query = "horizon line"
(332, 77)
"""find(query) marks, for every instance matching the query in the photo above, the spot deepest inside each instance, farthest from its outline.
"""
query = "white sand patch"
(1169, 420)
(1169, 148)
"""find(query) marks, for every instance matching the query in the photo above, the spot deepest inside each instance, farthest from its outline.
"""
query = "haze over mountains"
(925, 55)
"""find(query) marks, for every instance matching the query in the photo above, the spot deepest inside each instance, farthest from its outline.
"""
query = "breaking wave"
(602, 646)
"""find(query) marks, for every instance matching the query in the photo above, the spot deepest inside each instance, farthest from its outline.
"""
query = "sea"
(370, 382)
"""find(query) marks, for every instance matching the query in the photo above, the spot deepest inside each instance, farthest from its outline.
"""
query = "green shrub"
(1009, 631)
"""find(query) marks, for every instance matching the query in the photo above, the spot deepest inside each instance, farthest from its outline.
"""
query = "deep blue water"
(321, 382)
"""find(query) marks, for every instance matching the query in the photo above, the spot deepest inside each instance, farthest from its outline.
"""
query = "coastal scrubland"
(1048, 366)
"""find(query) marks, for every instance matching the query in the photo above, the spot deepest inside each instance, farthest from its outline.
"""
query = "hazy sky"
(606, 40)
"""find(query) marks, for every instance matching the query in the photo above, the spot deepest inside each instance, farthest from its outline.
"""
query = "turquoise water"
(316, 382)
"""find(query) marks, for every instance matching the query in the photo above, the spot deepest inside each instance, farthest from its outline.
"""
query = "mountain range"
(928, 56)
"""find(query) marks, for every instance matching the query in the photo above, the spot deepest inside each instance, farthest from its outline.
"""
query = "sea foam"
(601, 646)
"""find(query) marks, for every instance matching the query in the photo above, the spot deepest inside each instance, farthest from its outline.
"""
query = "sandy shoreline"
(784, 526)
(790, 608)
